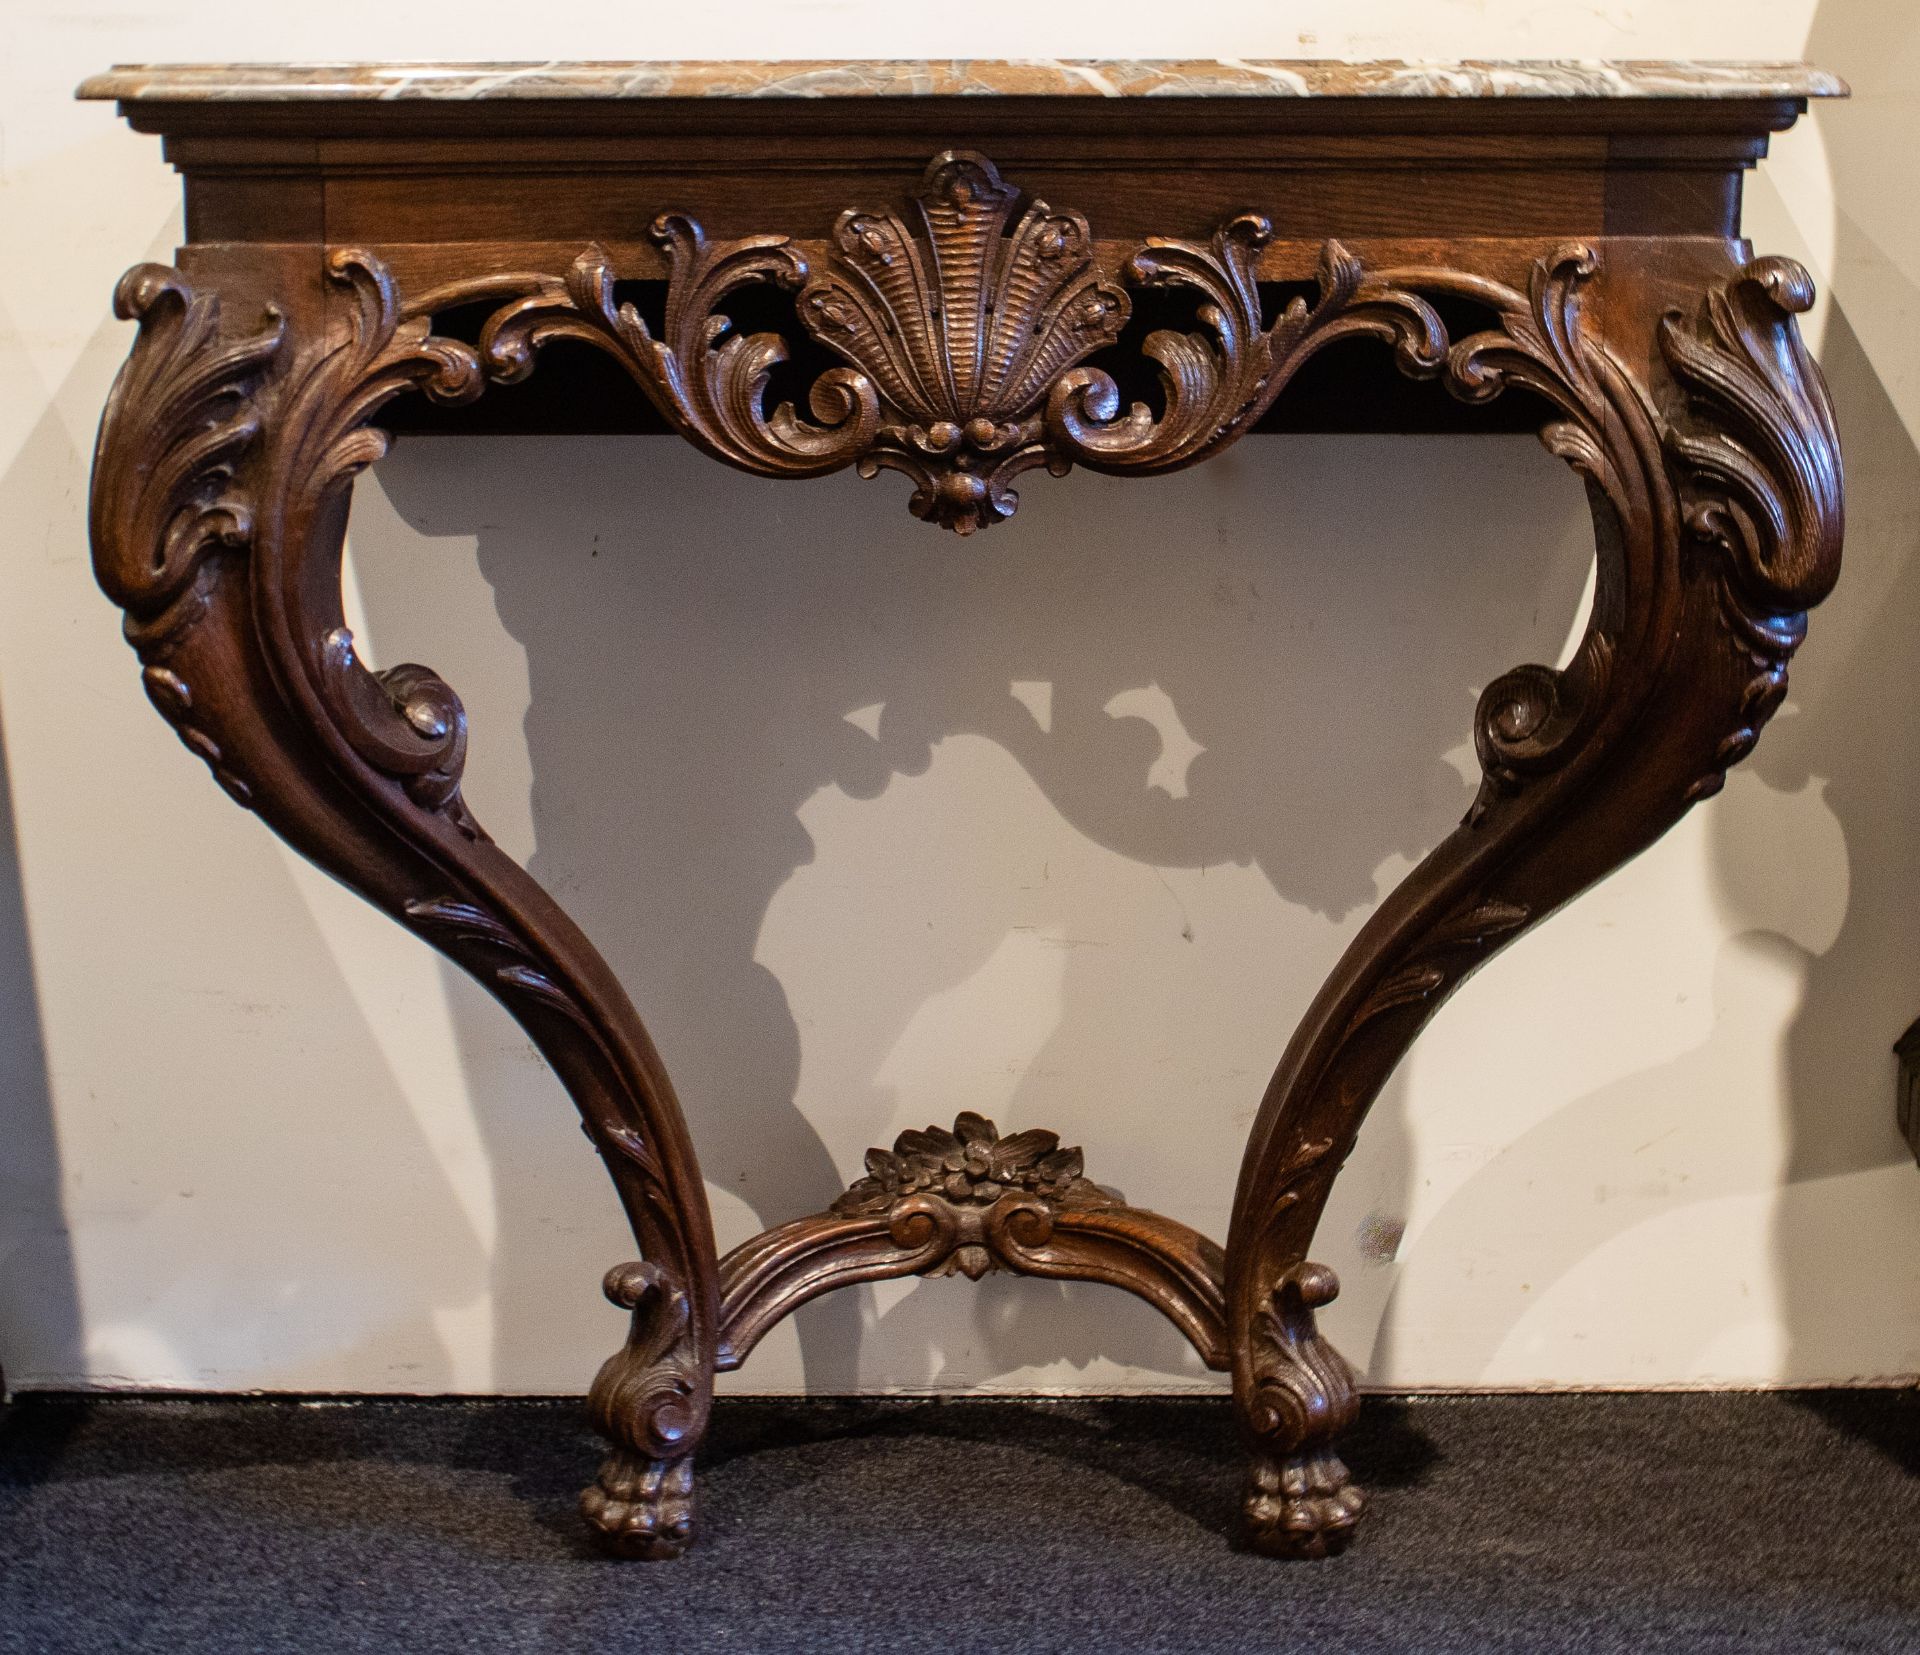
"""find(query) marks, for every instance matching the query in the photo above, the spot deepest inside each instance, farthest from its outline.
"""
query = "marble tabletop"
(960, 77)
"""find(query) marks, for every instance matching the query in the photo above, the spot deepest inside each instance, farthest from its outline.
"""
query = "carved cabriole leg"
(220, 496)
(1703, 431)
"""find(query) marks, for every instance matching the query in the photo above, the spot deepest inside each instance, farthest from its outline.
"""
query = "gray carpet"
(1743, 1524)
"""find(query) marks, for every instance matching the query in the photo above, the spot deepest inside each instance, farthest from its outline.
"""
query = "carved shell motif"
(963, 328)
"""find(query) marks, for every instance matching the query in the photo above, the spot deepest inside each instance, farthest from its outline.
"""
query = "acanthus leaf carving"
(406, 722)
(703, 375)
(1755, 439)
(1758, 458)
(387, 350)
(971, 1165)
(461, 928)
(1531, 719)
(980, 1193)
(167, 493)
(181, 416)
(1449, 951)
(1218, 381)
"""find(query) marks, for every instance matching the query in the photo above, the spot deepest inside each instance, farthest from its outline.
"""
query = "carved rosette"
(980, 1196)
(972, 1163)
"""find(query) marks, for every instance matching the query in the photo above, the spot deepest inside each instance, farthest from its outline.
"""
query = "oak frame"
(973, 328)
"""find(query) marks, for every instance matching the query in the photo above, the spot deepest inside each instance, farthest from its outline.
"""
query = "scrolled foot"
(641, 1508)
(650, 1400)
(1303, 1506)
(1300, 1395)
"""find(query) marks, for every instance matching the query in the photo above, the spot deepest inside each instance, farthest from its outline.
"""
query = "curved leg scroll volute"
(220, 495)
(1301, 1503)
(650, 1399)
(1716, 488)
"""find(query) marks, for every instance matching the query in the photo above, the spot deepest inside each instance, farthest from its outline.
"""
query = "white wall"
(1062, 826)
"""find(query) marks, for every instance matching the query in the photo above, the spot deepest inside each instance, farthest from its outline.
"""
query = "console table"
(965, 272)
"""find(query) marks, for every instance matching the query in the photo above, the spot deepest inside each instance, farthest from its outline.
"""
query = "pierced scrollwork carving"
(704, 377)
(1217, 382)
(963, 330)
(952, 329)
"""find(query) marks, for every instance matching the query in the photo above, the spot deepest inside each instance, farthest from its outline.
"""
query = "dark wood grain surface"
(968, 292)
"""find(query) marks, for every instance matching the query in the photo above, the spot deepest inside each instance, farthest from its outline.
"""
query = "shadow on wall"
(1858, 737)
(214, 1261)
(39, 1301)
(1815, 866)
(1856, 742)
(1813, 873)
(1065, 822)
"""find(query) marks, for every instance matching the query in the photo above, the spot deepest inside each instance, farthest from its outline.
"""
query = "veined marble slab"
(959, 77)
